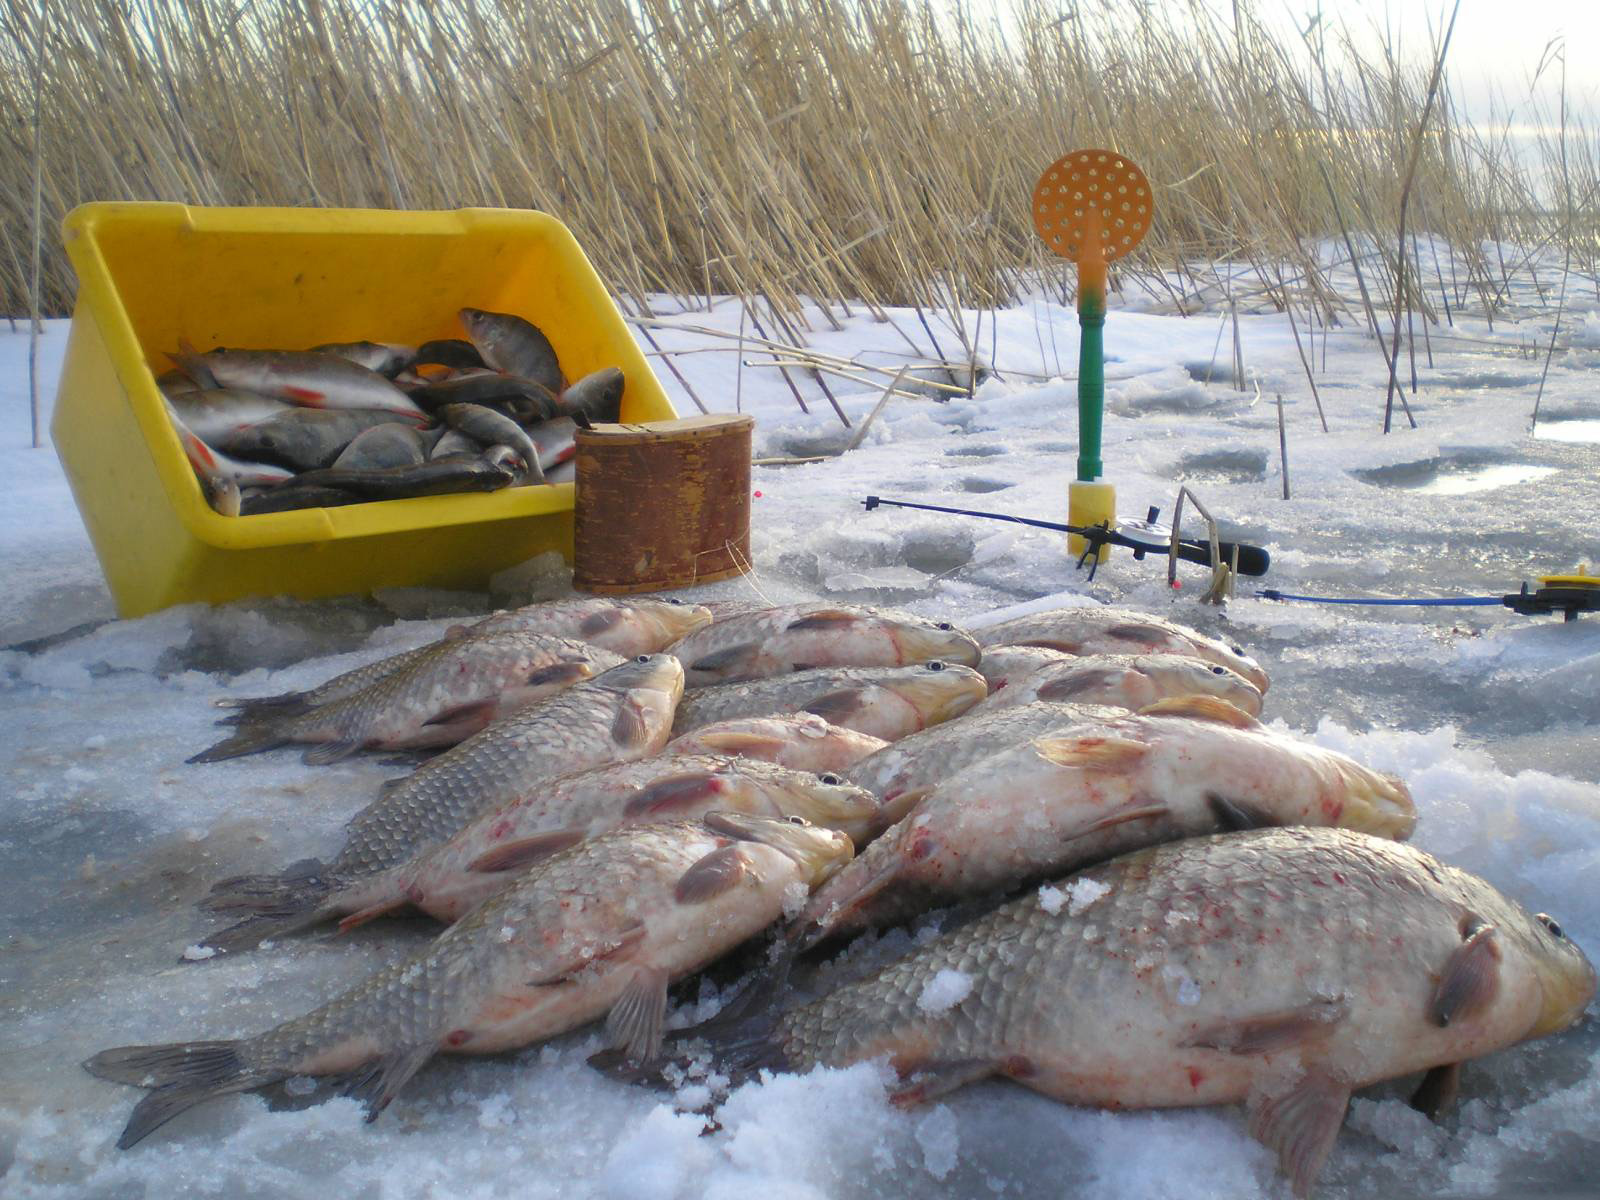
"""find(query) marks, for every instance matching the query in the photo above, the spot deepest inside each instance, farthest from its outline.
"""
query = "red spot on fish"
(1018, 1066)
(413, 893)
(758, 495)
(921, 846)
(500, 828)
(305, 395)
(1195, 1078)
(458, 1037)
(1338, 878)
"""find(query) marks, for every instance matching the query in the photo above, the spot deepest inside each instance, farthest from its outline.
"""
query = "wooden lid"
(680, 429)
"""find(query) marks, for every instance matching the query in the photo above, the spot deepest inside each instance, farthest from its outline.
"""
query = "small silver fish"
(518, 347)
(301, 377)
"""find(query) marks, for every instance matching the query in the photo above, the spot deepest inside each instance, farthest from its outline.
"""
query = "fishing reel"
(1568, 595)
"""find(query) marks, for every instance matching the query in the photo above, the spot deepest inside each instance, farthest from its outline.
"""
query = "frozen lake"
(107, 838)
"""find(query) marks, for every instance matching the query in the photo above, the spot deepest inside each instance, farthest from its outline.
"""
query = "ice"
(107, 839)
(1051, 899)
(944, 991)
(1082, 894)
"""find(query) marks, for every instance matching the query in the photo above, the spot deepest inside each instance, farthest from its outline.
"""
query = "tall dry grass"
(868, 153)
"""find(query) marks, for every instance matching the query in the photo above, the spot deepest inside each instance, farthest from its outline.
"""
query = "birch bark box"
(662, 504)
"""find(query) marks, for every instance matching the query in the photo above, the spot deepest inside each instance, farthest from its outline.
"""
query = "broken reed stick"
(861, 430)
(1283, 447)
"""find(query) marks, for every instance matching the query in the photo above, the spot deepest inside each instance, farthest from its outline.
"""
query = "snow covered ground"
(107, 838)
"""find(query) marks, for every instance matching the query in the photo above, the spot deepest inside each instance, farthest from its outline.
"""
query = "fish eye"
(831, 779)
(797, 820)
(935, 665)
(1239, 650)
(945, 626)
(673, 600)
(1219, 670)
(1549, 923)
(643, 658)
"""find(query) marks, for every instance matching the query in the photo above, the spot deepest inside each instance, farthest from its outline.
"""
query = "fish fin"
(628, 730)
(1201, 708)
(179, 1074)
(713, 875)
(1301, 1125)
(477, 711)
(264, 893)
(670, 794)
(1092, 753)
(1271, 1032)
(380, 1081)
(1077, 684)
(829, 618)
(1134, 812)
(1436, 1094)
(251, 739)
(276, 703)
(193, 365)
(372, 912)
(930, 1080)
(1235, 816)
(740, 1037)
(513, 856)
(1471, 978)
(728, 659)
(634, 1023)
(601, 622)
(838, 707)
(388, 785)
(330, 752)
(743, 745)
(558, 674)
(252, 931)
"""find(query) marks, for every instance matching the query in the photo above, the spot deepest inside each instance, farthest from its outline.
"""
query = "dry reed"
(865, 154)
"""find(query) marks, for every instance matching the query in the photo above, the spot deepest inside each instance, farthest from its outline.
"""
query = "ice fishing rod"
(1253, 560)
(1568, 595)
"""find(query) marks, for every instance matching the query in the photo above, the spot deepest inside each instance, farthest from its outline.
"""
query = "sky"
(1496, 47)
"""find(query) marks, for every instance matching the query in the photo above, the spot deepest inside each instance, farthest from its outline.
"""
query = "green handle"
(1091, 380)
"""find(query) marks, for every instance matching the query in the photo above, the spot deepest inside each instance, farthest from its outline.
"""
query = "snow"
(107, 839)
(944, 991)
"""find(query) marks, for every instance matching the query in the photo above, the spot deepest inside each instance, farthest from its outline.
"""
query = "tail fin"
(288, 890)
(180, 1075)
(275, 904)
(250, 708)
(252, 738)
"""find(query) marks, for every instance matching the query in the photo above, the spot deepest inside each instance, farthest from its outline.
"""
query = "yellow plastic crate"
(150, 274)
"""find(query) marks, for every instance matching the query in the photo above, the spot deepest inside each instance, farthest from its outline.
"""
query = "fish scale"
(440, 695)
(604, 926)
(565, 733)
(1281, 963)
